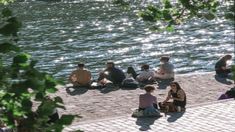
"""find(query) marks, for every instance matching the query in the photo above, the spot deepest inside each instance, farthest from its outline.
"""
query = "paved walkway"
(95, 104)
(215, 117)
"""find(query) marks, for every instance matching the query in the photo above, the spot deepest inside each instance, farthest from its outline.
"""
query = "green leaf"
(46, 108)
(50, 82)
(210, 16)
(21, 58)
(6, 12)
(27, 104)
(170, 28)
(66, 119)
(58, 99)
(5, 1)
(11, 27)
(230, 16)
(18, 89)
(147, 16)
(7, 47)
(233, 72)
(167, 4)
(51, 90)
(39, 96)
(167, 16)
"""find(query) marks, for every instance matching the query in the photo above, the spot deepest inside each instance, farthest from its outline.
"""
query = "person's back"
(81, 76)
(221, 66)
(145, 74)
(166, 69)
(146, 100)
(116, 75)
(147, 104)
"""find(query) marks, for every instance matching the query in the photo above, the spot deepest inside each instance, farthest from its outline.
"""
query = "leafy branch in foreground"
(164, 14)
(25, 104)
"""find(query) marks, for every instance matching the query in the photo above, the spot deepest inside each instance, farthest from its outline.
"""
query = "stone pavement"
(94, 104)
(213, 117)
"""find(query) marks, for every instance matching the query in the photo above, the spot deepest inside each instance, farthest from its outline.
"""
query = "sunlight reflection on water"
(94, 32)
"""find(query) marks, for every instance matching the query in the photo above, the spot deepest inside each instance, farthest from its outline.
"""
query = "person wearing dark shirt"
(114, 74)
(221, 67)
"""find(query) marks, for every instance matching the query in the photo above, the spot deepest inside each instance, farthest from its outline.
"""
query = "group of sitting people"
(149, 106)
(112, 74)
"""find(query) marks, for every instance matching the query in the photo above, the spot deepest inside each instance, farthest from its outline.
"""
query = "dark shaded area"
(145, 122)
(174, 116)
(108, 88)
(163, 83)
(224, 80)
(76, 90)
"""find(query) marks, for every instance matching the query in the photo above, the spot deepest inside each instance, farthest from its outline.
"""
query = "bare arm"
(168, 97)
(72, 76)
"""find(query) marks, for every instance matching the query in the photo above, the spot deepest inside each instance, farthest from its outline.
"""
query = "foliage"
(5, 1)
(166, 13)
(233, 73)
(24, 101)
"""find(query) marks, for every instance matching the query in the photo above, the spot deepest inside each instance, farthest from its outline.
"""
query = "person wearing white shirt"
(166, 69)
(146, 75)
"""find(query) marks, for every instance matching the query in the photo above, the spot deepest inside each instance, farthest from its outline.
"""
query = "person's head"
(81, 65)
(175, 86)
(164, 59)
(110, 64)
(145, 67)
(130, 69)
(149, 88)
(227, 57)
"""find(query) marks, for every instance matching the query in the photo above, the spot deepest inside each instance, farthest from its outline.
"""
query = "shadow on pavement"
(76, 91)
(145, 122)
(174, 116)
(223, 80)
(108, 88)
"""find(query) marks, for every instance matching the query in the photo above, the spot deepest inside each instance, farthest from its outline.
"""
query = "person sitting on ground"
(80, 77)
(166, 69)
(131, 72)
(179, 98)
(228, 94)
(129, 81)
(147, 103)
(146, 75)
(221, 66)
(112, 73)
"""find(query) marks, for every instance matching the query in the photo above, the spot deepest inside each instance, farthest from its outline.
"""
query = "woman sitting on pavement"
(146, 75)
(221, 66)
(166, 69)
(129, 81)
(131, 72)
(179, 99)
(147, 104)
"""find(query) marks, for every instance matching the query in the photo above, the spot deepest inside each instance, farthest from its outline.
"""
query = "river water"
(61, 34)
